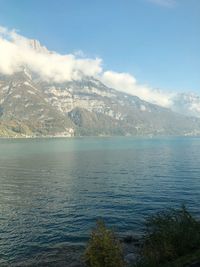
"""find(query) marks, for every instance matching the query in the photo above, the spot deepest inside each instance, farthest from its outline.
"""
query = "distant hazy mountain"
(32, 107)
(188, 104)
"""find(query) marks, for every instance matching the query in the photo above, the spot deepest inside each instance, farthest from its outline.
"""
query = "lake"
(52, 191)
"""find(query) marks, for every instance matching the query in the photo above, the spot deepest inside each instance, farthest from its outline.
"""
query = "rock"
(130, 258)
(131, 244)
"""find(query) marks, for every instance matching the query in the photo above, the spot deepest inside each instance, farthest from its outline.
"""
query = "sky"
(155, 43)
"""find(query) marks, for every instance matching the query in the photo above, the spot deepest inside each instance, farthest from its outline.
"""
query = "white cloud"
(164, 3)
(17, 51)
(126, 83)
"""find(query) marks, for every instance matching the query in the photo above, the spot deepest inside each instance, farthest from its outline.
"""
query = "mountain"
(187, 103)
(32, 107)
(36, 45)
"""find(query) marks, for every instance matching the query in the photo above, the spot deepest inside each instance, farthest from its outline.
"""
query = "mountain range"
(31, 107)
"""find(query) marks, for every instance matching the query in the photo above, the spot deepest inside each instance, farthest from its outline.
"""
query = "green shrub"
(103, 249)
(169, 235)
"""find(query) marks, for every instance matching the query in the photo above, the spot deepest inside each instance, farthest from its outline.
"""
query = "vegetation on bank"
(187, 260)
(104, 249)
(171, 239)
(169, 235)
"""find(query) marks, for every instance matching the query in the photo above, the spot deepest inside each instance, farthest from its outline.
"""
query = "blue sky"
(157, 41)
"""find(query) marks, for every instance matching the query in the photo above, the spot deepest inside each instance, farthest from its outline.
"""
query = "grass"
(170, 234)
(185, 260)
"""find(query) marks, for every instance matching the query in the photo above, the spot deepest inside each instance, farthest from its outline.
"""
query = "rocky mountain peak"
(36, 45)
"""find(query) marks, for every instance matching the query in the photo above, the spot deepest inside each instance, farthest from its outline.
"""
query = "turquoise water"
(53, 190)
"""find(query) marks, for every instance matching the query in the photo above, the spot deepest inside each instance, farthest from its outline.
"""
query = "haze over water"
(53, 190)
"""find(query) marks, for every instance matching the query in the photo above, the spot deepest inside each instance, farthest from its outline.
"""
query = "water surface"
(53, 190)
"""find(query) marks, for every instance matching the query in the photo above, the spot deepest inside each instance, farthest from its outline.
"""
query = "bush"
(169, 235)
(103, 249)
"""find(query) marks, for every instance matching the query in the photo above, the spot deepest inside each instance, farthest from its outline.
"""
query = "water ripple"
(53, 191)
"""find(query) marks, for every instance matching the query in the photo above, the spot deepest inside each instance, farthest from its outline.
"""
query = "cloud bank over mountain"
(125, 82)
(17, 51)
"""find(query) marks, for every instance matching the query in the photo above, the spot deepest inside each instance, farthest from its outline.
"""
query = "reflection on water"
(53, 190)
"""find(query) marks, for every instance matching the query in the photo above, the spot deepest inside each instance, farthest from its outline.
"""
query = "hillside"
(31, 107)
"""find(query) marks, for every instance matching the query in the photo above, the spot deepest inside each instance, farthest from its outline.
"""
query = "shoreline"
(102, 136)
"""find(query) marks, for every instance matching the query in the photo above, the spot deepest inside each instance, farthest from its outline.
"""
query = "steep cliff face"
(22, 103)
(31, 107)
